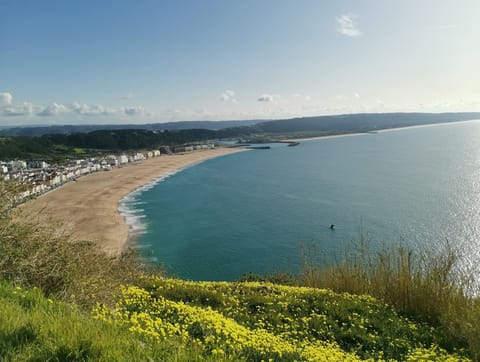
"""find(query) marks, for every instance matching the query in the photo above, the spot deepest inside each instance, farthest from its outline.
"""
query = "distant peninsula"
(57, 141)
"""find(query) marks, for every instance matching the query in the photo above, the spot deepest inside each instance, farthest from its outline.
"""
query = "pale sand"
(88, 207)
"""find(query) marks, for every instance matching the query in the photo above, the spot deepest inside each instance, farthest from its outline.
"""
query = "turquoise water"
(252, 211)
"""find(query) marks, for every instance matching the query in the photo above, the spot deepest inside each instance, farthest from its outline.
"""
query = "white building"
(16, 165)
(112, 160)
(38, 164)
(122, 159)
(138, 156)
(56, 180)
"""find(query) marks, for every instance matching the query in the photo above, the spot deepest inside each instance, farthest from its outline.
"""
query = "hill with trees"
(361, 122)
(61, 145)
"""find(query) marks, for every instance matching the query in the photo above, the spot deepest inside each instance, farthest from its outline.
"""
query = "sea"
(262, 211)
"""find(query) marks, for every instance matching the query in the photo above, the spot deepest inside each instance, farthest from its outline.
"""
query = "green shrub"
(48, 330)
(430, 286)
(45, 256)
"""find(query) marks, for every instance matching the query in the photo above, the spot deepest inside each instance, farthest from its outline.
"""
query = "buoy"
(332, 226)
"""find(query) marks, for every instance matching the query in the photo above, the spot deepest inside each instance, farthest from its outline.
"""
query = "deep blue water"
(252, 211)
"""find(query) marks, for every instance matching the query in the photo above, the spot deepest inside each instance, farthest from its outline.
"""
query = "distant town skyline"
(145, 61)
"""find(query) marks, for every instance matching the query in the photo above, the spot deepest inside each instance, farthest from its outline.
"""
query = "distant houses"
(185, 149)
(122, 159)
(39, 177)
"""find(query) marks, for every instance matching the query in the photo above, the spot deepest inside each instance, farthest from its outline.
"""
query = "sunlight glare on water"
(251, 211)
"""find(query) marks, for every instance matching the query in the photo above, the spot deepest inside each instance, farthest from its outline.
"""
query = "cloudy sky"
(131, 61)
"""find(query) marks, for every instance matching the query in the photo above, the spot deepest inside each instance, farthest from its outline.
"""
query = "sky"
(147, 61)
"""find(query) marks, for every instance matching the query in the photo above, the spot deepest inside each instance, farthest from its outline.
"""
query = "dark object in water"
(291, 144)
(259, 147)
(332, 226)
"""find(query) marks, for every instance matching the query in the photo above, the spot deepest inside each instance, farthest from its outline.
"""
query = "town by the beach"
(87, 208)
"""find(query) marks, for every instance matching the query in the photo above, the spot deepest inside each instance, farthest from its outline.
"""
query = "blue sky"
(138, 61)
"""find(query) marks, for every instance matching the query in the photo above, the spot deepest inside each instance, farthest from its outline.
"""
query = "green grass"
(35, 328)
(45, 257)
(79, 151)
(358, 324)
(422, 305)
(431, 287)
(213, 316)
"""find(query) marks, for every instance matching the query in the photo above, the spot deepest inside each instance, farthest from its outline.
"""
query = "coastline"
(382, 130)
(89, 208)
(125, 209)
(326, 137)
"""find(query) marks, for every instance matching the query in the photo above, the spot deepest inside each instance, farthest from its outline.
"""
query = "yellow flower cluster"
(215, 333)
(261, 321)
(434, 353)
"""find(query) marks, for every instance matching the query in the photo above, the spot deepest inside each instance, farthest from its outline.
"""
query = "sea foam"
(130, 206)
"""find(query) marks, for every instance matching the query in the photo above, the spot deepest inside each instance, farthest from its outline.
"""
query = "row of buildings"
(38, 177)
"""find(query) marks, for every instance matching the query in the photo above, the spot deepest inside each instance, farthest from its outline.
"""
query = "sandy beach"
(88, 207)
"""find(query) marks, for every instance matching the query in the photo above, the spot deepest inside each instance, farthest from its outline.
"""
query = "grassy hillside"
(65, 300)
(173, 320)
(35, 328)
(262, 321)
(361, 122)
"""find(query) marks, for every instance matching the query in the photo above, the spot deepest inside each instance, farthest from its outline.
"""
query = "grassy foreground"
(36, 328)
(174, 320)
(65, 300)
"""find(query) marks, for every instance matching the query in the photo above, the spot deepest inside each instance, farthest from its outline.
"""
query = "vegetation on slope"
(46, 257)
(361, 122)
(149, 316)
(36, 328)
(433, 287)
(59, 146)
(261, 321)
(32, 131)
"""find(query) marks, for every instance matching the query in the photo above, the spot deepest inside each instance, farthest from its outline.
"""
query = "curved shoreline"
(127, 212)
(88, 209)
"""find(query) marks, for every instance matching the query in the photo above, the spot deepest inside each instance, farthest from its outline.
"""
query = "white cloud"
(95, 110)
(10, 109)
(53, 109)
(266, 98)
(228, 96)
(134, 111)
(347, 25)
(5, 99)
(24, 109)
